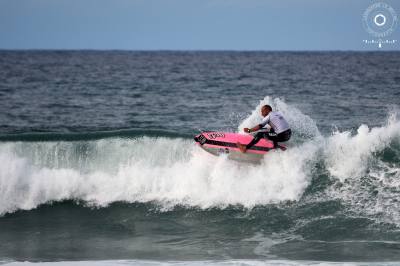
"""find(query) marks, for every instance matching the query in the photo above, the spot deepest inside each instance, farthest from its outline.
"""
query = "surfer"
(276, 129)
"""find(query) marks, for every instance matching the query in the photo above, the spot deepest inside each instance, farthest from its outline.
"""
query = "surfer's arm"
(265, 121)
(249, 130)
(259, 126)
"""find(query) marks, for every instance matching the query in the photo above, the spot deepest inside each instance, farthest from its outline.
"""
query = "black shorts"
(281, 137)
(271, 135)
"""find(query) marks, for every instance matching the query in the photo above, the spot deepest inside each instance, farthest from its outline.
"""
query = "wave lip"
(87, 136)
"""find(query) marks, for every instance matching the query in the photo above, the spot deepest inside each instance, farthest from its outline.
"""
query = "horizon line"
(190, 50)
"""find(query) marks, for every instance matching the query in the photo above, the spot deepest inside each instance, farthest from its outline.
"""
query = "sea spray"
(302, 125)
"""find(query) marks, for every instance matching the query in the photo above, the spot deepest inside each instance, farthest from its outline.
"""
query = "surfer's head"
(266, 109)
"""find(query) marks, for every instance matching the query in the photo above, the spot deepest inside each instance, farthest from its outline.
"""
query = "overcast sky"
(187, 24)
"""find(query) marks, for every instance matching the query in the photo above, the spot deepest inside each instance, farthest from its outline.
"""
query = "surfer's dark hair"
(268, 107)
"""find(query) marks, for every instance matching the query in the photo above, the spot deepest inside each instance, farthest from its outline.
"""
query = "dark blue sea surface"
(59, 91)
(97, 160)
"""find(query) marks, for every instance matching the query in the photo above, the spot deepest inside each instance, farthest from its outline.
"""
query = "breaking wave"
(363, 168)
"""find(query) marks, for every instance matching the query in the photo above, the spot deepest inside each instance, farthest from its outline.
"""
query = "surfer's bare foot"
(283, 148)
(241, 147)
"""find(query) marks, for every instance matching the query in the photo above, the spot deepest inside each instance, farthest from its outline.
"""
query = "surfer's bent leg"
(272, 136)
(281, 137)
(256, 139)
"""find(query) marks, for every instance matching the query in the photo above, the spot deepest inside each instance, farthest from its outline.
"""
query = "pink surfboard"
(218, 143)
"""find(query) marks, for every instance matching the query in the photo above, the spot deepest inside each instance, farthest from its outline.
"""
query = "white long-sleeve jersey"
(276, 121)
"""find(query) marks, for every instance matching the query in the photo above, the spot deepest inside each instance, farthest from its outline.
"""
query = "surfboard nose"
(201, 139)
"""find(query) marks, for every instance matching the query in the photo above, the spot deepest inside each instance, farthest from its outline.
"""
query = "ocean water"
(98, 163)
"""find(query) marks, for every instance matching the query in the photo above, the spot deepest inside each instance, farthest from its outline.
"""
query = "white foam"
(168, 171)
(368, 185)
(348, 155)
(163, 170)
